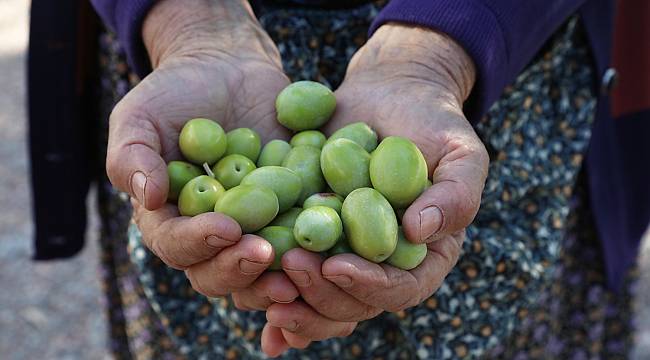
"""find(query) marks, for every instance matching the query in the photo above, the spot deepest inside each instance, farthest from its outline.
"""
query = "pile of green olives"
(329, 195)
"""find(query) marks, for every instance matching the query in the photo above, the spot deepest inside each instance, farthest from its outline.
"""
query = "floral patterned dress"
(529, 284)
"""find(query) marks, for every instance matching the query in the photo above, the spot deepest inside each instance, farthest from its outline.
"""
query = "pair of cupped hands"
(212, 59)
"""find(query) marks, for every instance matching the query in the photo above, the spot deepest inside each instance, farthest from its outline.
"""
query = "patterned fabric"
(134, 329)
(529, 284)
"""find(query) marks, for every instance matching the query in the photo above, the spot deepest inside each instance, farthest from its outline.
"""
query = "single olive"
(341, 247)
(251, 206)
(273, 153)
(313, 138)
(285, 183)
(282, 240)
(232, 169)
(244, 141)
(330, 200)
(180, 173)
(360, 133)
(202, 141)
(287, 218)
(199, 196)
(318, 228)
(398, 171)
(305, 161)
(305, 105)
(345, 165)
(370, 225)
(407, 255)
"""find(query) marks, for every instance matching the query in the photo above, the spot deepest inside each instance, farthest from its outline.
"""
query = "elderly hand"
(410, 82)
(210, 60)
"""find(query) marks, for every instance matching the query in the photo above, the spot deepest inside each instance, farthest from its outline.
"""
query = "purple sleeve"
(500, 36)
(125, 18)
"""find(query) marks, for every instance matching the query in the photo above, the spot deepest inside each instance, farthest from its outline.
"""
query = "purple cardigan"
(502, 37)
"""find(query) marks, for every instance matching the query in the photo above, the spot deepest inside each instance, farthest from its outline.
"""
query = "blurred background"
(54, 310)
(48, 310)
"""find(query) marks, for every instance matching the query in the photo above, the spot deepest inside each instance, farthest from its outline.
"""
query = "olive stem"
(207, 169)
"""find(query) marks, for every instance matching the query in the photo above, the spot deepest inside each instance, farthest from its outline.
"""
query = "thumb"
(133, 162)
(452, 202)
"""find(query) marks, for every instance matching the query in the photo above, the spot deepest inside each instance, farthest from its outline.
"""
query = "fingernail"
(431, 220)
(217, 242)
(340, 280)
(281, 301)
(138, 183)
(299, 277)
(249, 267)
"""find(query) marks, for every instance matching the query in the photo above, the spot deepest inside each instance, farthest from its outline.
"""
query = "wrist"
(177, 28)
(418, 53)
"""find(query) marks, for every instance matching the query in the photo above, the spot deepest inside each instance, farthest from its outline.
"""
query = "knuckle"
(164, 254)
(200, 287)
(187, 247)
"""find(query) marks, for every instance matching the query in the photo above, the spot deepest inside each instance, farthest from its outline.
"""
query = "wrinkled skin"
(384, 84)
(209, 60)
(213, 60)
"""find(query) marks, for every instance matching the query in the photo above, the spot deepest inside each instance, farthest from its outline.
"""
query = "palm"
(241, 95)
(403, 107)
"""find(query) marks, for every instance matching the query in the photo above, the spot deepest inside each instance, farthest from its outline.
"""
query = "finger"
(295, 341)
(269, 288)
(184, 241)
(378, 285)
(133, 163)
(273, 342)
(233, 269)
(304, 269)
(388, 287)
(300, 319)
(442, 256)
(453, 201)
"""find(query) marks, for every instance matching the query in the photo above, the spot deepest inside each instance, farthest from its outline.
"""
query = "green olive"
(251, 206)
(345, 165)
(342, 247)
(180, 173)
(318, 228)
(370, 225)
(285, 183)
(305, 161)
(282, 240)
(199, 196)
(305, 105)
(273, 153)
(287, 218)
(330, 200)
(232, 169)
(407, 255)
(398, 171)
(358, 132)
(202, 141)
(313, 138)
(244, 141)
